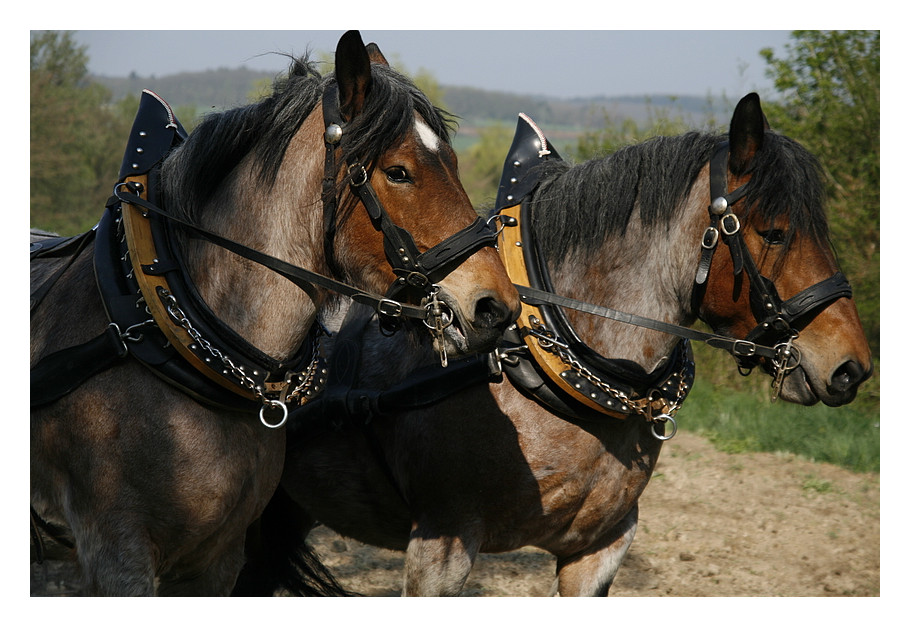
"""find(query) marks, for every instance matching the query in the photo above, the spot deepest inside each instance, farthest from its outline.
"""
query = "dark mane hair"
(577, 206)
(195, 171)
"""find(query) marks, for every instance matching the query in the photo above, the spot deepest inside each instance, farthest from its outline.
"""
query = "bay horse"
(719, 227)
(215, 254)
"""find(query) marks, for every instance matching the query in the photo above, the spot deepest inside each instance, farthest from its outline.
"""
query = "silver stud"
(333, 134)
(140, 150)
(719, 206)
(516, 163)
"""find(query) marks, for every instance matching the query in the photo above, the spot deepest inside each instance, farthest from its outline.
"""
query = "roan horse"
(525, 460)
(150, 481)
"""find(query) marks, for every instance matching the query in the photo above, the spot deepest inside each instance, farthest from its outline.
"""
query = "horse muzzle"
(838, 388)
(477, 322)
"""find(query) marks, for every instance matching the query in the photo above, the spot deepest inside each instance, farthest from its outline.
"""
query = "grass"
(736, 415)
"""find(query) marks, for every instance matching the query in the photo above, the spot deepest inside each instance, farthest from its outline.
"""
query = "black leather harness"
(237, 374)
(771, 340)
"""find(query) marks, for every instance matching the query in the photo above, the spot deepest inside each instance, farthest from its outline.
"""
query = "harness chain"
(310, 384)
(644, 406)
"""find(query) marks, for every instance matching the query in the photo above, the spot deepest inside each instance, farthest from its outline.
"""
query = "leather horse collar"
(150, 297)
(546, 357)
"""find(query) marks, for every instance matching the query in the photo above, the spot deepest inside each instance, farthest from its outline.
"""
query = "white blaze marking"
(426, 135)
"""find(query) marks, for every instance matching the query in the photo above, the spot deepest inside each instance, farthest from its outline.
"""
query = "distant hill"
(215, 89)
(224, 88)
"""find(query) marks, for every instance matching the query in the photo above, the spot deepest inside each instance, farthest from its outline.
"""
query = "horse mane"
(195, 171)
(576, 207)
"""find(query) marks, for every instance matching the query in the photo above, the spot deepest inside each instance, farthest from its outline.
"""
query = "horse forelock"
(786, 182)
(389, 114)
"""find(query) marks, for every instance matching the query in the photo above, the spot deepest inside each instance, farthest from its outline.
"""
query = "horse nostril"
(490, 313)
(848, 376)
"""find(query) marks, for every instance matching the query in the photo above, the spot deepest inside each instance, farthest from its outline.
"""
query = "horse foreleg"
(115, 558)
(590, 573)
(217, 579)
(437, 565)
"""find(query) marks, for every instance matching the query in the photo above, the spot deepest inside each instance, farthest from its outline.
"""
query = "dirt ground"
(712, 524)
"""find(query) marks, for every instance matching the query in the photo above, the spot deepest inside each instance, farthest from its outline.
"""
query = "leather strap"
(59, 373)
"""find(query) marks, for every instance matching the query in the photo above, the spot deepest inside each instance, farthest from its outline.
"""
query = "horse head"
(420, 205)
(777, 280)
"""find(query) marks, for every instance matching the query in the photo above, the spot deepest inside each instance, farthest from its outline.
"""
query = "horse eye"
(774, 237)
(398, 174)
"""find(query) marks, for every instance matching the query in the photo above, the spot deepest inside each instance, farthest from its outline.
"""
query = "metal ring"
(444, 313)
(732, 230)
(710, 237)
(790, 352)
(363, 172)
(272, 404)
(663, 418)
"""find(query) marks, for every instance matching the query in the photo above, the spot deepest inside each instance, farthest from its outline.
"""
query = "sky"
(561, 63)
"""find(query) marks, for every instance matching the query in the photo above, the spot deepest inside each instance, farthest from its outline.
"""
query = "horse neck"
(648, 271)
(283, 220)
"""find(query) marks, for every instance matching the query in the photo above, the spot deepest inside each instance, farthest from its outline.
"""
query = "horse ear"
(375, 54)
(747, 132)
(352, 71)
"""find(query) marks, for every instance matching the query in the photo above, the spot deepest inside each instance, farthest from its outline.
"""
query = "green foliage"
(738, 421)
(481, 164)
(72, 132)
(830, 86)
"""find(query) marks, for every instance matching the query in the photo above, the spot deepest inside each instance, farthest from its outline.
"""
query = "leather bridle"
(415, 270)
(779, 321)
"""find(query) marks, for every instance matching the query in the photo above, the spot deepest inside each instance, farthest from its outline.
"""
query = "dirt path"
(711, 524)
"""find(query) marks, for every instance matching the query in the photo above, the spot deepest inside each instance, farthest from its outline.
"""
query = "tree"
(72, 129)
(481, 164)
(829, 83)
